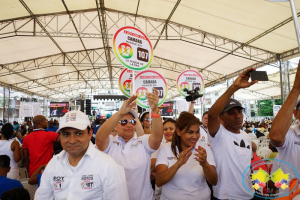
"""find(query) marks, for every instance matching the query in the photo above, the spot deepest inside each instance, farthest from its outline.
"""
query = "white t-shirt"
(134, 156)
(99, 112)
(5, 149)
(96, 177)
(290, 151)
(189, 182)
(203, 135)
(232, 154)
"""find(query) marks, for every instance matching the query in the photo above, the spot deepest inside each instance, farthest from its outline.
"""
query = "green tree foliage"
(265, 107)
(277, 101)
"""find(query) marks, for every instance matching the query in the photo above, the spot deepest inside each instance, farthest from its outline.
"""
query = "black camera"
(193, 94)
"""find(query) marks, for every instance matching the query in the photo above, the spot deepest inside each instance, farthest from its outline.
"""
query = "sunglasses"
(125, 121)
(146, 119)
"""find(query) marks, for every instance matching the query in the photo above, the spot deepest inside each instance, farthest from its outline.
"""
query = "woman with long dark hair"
(181, 174)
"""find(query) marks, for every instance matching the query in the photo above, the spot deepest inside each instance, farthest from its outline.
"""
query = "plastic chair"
(264, 153)
(31, 188)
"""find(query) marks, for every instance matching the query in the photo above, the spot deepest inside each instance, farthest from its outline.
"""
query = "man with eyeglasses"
(230, 145)
(81, 171)
(286, 139)
(130, 151)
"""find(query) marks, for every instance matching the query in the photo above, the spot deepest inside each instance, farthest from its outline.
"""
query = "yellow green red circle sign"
(145, 82)
(189, 79)
(132, 48)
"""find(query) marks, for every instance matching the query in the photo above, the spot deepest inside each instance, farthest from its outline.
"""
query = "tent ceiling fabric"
(58, 49)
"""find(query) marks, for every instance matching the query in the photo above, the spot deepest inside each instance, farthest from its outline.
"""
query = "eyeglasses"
(146, 119)
(123, 122)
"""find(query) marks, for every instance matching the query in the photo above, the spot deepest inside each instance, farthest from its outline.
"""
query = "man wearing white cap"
(81, 171)
(286, 139)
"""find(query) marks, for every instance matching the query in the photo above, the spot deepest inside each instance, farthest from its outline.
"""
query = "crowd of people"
(129, 156)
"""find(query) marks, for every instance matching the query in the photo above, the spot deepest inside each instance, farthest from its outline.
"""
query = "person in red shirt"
(38, 145)
(255, 159)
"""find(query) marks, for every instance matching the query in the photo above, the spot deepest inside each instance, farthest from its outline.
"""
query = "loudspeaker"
(88, 106)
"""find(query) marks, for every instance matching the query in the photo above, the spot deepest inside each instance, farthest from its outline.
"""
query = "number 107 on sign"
(143, 54)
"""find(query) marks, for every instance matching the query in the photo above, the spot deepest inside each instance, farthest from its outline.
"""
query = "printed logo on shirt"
(58, 178)
(242, 144)
(137, 144)
(296, 142)
(58, 185)
(280, 173)
(172, 158)
(67, 118)
(87, 177)
(87, 182)
(115, 142)
(203, 138)
(58, 182)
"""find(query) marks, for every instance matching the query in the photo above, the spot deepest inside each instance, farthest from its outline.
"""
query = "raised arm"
(138, 127)
(157, 125)
(102, 136)
(283, 119)
(242, 81)
(192, 107)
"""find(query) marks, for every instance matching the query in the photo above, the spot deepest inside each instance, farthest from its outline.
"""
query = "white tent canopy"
(61, 48)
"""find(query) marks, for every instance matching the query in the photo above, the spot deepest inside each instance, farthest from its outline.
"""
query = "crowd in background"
(129, 156)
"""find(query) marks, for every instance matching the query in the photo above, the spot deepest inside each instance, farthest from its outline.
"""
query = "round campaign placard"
(125, 81)
(189, 79)
(132, 48)
(147, 80)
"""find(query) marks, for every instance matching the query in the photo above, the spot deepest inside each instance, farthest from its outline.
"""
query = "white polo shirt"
(189, 182)
(134, 156)
(96, 177)
(290, 151)
(203, 135)
(232, 154)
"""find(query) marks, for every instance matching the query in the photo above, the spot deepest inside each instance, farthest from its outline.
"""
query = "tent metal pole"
(296, 24)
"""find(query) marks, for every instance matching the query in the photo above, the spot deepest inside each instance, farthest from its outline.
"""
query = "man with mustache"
(81, 171)
(230, 145)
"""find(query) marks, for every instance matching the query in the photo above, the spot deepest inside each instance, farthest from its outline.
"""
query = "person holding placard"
(184, 165)
(130, 151)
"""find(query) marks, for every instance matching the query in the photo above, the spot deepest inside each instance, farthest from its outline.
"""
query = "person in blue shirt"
(6, 183)
(15, 126)
(51, 127)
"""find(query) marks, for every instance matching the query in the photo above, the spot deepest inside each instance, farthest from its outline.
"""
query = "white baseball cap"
(133, 113)
(74, 119)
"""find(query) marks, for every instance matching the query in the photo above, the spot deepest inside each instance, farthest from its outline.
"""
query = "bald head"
(254, 147)
(39, 121)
